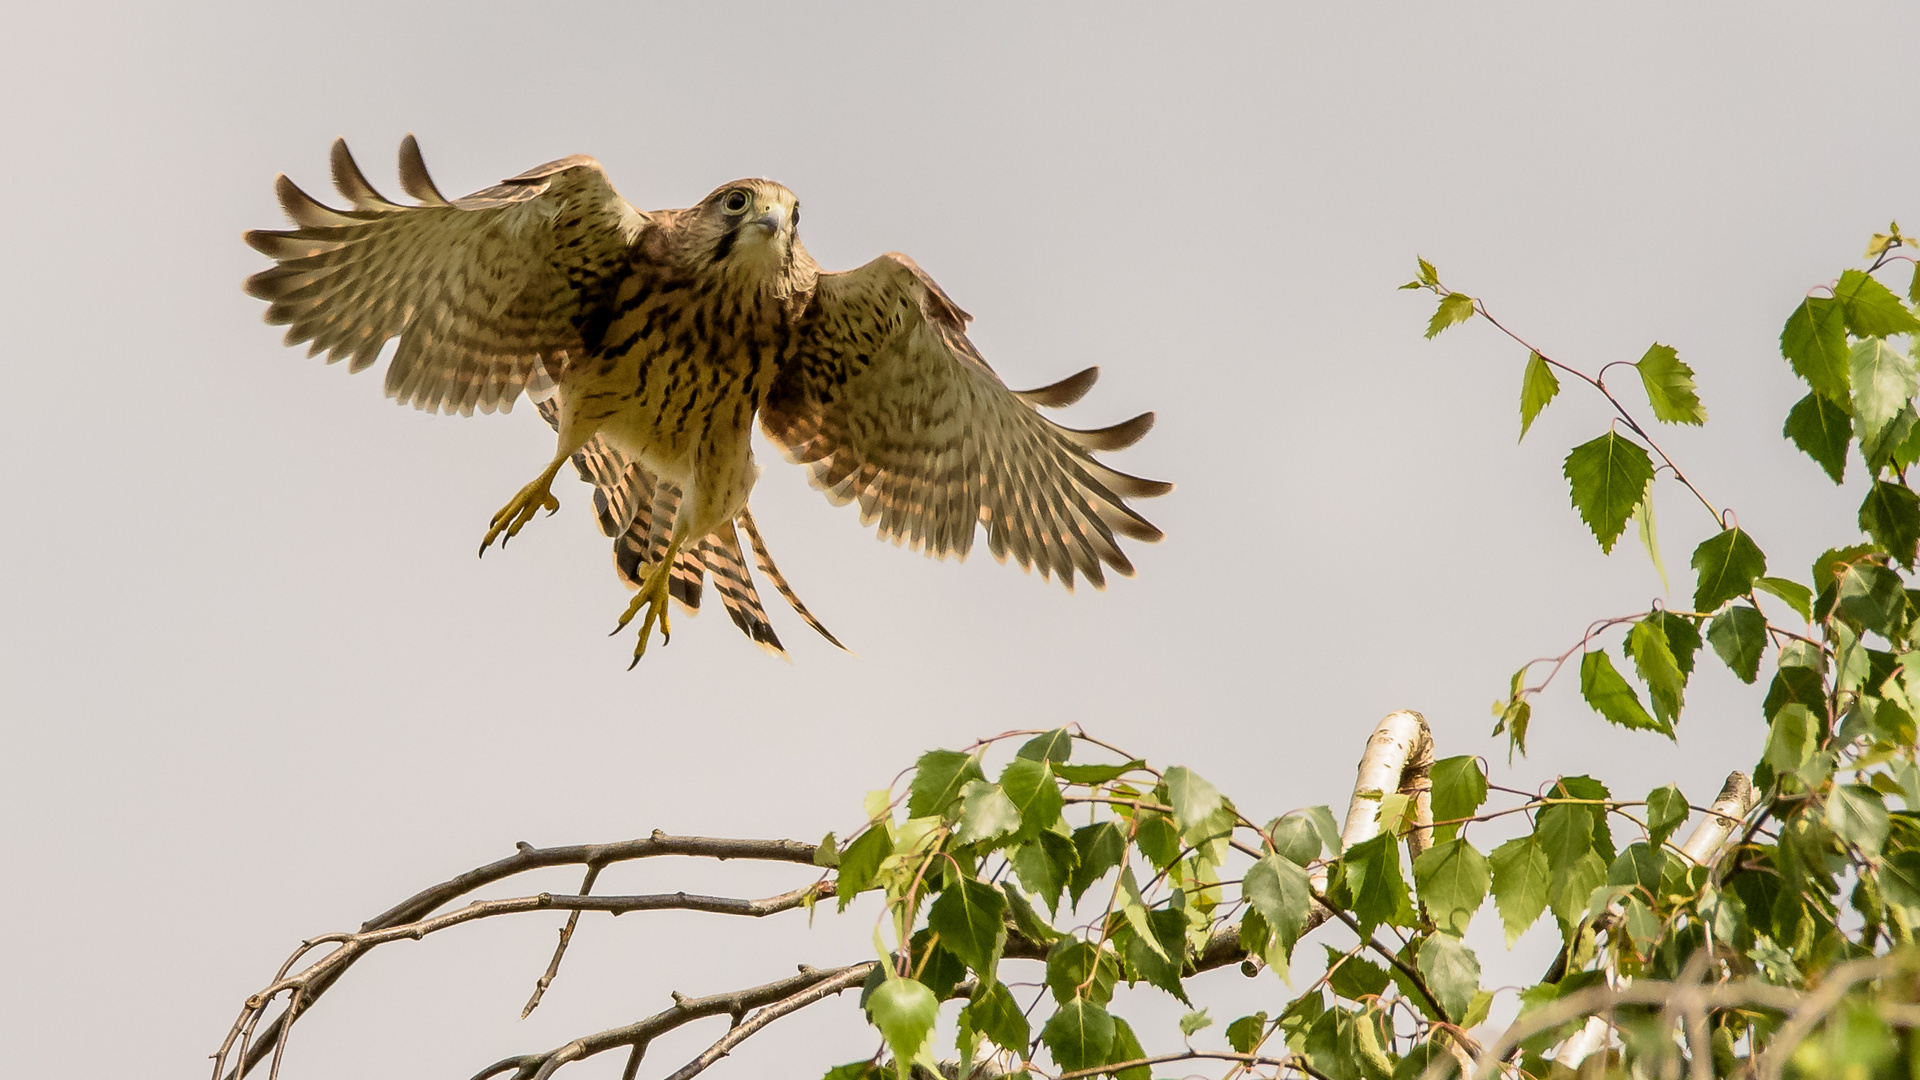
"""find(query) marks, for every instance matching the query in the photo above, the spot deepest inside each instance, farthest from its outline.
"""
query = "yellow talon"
(653, 596)
(511, 517)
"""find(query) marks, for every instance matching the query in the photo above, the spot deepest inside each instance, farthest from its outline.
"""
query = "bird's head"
(750, 226)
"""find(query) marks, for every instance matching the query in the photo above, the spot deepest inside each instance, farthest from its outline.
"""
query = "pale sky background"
(257, 687)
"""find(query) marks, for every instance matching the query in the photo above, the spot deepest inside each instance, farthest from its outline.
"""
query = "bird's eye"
(735, 202)
(796, 215)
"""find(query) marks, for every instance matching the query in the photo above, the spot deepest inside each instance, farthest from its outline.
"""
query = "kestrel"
(651, 339)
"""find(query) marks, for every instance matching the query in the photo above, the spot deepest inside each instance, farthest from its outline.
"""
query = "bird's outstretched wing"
(484, 292)
(889, 404)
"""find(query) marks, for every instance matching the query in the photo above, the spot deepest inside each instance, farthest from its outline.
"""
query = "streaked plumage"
(652, 339)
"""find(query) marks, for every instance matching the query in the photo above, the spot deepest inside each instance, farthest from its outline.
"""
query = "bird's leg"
(653, 597)
(522, 507)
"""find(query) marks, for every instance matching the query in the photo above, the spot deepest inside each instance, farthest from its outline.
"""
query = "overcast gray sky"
(257, 687)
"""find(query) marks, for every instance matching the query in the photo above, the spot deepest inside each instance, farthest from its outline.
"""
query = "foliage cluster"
(1794, 944)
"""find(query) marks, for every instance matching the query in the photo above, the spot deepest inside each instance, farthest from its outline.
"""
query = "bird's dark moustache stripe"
(727, 240)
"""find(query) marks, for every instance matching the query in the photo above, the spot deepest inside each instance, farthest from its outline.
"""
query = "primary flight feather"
(650, 340)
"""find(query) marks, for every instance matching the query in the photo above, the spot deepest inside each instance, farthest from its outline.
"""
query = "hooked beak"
(774, 220)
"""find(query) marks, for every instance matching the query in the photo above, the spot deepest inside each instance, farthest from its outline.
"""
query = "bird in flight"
(650, 340)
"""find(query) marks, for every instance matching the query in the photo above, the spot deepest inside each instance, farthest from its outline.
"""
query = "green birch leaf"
(986, 814)
(1100, 848)
(1356, 978)
(1195, 1020)
(1157, 839)
(860, 862)
(1025, 918)
(827, 852)
(1564, 834)
(1277, 888)
(1657, 667)
(1792, 738)
(1537, 387)
(938, 778)
(969, 917)
(1567, 893)
(1883, 382)
(1520, 878)
(1666, 811)
(1875, 597)
(1669, 385)
(1454, 308)
(1055, 746)
(1329, 831)
(1126, 1047)
(1683, 639)
(1095, 774)
(1894, 440)
(1857, 814)
(1428, 275)
(1158, 952)
(1891, 515)
(1739, 637)
(1452, 878)
(858, 1070)
(1913, 289)
(1076, 969)
(1079, 1035)
(1607, 477)
(1193, 799)
(1650, 536)
(1824, 431)
(1244, 1034)
(904, 1011)
(1815, 343)
(1608, 693)
(1459, 790)
(1295, 838)
(1029, 785)
(1451, 971)
(996, 1015)
(1371, 869)
(1727, 564)
(1871, 308)
(1797, 596)
(1045, 865)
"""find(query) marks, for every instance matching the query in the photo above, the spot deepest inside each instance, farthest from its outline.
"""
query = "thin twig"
(850, 977)
(560, 950)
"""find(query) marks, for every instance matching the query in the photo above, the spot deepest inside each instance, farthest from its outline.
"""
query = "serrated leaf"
(1666, 811)
(1654, 661)
(1428, 275)
(1739, 637)
(1195, 1020)
(1453, 879)
(1277, 888)
(860, 862)
(1079, 1035)
(1883, 382)
(1608, 693)
(1607, 476)
(1451, 971)
(1823, 430)
(1650, 535)
(1669, 385)
(1564, 834)
(1095, 774)
(1371, 870)
(1126, 1047)
(1520, 878)
(858, 1070)
(1055, 746)
(1459, 790)
(1045, 865)
(1158, 949)
(1157, 839)
(1871, 308)
(1727, 564)
(1355, 978)
(968, 916)
(938, 778)
(1295, 838)
(996, 1015)
(986, 814)
(1100, 847)
(827, 852)
(1193, 799)
(1875, 597)
(1324, 824)
(1815, 343)
(1537, 387)
(1454, 308)
(933, 964)
(1797, 596)
(1792, 737)
(1857, 814)
(1683, 639)
(1244, 1034)
(1029, 786)
(1568, 892)
(904, 1011)
(1891, 515)
(1025, 919)
(1076, 969)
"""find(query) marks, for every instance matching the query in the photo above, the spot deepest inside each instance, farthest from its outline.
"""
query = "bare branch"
(560, 950)
(849, 977)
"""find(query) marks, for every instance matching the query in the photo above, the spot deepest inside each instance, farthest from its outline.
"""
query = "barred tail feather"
(735, 586)
(765, 561)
